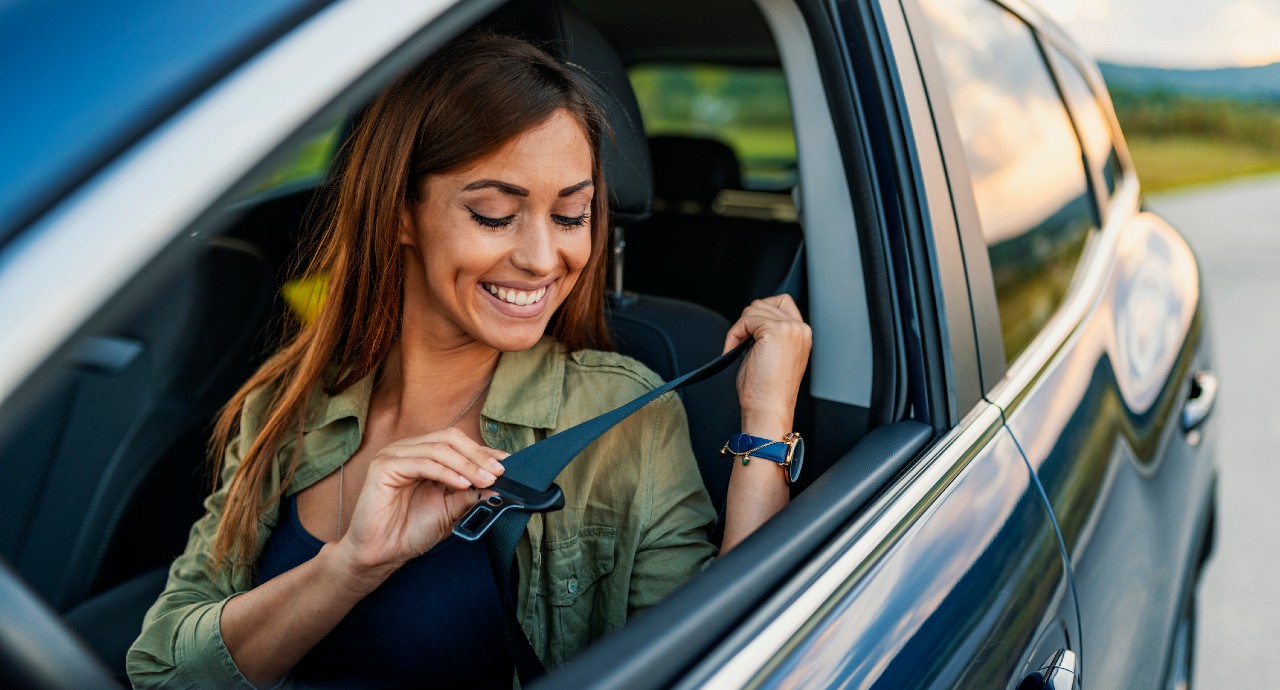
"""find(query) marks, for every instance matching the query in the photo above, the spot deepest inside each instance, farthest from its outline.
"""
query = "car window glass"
(1091, 122)
(1023, 157)
(745, 107)
(309, 163)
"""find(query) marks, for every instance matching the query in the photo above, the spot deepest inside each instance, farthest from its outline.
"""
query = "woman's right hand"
(414, 492)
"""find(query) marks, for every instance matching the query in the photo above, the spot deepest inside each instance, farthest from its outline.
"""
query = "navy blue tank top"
(436, 622)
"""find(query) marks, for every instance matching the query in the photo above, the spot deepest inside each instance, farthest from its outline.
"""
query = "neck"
(424, 388)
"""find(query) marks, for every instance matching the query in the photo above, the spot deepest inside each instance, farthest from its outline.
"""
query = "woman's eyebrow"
(500, 186)
(574, 188)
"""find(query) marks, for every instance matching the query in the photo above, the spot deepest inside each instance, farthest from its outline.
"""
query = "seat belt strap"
(538, 465)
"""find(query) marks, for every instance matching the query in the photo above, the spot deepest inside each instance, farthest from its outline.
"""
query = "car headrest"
(558, 28)
(692, 169)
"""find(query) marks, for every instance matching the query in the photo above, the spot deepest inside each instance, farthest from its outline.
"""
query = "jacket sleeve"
(181, 642)
(676, 513)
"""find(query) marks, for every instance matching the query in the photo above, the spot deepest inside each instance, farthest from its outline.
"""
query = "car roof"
(83, 81)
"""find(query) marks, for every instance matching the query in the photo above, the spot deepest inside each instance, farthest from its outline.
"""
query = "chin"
(513, 340)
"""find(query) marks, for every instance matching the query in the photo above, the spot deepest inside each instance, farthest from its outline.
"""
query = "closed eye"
(574, 222)
(488, 222)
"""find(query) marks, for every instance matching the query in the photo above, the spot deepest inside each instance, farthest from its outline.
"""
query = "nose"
(537, 252)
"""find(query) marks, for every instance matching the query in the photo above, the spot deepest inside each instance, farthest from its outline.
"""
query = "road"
(1235, 230)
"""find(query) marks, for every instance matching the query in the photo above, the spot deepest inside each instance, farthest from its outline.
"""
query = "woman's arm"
(414, 492)
(768, 386)
(200, 633)
(268, 629)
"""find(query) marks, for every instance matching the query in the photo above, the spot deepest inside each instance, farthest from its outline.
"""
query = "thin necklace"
(343, 466)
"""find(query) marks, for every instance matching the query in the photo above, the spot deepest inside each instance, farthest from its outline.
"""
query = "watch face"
(797, 460)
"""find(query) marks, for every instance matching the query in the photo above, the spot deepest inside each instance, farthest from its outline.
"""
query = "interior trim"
(838, 311)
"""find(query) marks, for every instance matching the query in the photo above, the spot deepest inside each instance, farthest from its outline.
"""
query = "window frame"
(1002, 379)
(1094, 169)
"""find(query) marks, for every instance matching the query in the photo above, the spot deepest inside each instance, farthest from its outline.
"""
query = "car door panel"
(1101, 427)
(969, 589)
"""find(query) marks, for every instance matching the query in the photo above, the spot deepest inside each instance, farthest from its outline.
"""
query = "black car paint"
(1130, 492)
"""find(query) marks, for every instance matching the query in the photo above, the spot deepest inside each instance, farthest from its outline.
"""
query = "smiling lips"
(519, 298)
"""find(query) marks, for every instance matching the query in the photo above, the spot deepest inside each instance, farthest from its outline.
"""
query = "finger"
(482, 456)
(469, 465)
(446, 453)
(779, 306)
(737, 333)
(457, 504)
(404, 471)
(786, 304)
(449, 443)
(485, 458)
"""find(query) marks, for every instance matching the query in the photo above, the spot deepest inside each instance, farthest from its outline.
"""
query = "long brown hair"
(463, 102)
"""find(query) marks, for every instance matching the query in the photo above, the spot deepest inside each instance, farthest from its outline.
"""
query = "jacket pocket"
(577, 589)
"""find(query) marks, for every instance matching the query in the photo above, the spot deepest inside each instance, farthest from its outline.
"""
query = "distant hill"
(1245, 83)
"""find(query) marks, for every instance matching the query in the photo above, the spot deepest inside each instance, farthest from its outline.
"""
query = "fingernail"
(487, 474)
(496, 466)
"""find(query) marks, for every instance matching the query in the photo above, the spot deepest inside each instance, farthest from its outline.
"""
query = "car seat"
(723, 262)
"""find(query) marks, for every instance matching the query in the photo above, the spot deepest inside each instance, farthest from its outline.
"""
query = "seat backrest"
(723, 262)
(69, 481)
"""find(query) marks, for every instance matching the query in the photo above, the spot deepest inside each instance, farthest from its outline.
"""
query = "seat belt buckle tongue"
(507, 495)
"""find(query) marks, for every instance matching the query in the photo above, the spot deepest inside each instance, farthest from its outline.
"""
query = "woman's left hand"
(769, 378)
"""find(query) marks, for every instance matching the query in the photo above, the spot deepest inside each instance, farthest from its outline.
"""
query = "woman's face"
(495, 248)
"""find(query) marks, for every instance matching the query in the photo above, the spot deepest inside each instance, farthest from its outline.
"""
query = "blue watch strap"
(765, 448)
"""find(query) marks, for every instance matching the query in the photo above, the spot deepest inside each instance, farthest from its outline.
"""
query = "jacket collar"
(527, 390)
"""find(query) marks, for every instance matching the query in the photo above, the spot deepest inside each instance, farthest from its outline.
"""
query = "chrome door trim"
(852, 552)
(66, 265)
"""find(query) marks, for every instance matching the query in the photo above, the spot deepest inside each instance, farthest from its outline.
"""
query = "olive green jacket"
(634, 526)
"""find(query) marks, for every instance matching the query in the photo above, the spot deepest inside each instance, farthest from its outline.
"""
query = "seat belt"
(526, 486)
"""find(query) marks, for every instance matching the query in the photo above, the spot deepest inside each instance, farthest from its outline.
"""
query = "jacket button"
(573, 585)
(491, 426)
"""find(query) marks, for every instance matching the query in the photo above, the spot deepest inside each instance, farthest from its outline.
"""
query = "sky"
(1174, 33)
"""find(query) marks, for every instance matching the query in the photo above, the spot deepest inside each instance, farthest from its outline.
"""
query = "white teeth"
(516, 297)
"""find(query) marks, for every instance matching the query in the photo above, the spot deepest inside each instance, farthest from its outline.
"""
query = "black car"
(1009, 478)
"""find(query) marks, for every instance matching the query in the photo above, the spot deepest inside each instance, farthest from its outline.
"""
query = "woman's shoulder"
(596, 382)
(612, 368)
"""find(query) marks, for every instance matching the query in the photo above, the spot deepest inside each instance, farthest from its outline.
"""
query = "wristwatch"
(789, 452)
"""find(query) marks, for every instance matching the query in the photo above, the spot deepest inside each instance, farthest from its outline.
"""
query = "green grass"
(1179, 139)
(1168, 162)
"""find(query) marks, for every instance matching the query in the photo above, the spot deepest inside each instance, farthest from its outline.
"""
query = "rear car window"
(745, 107)
(1023, 157)
(1090, 119)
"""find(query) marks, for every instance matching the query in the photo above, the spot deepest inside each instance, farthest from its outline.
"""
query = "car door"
(954, 577)
(1090, 329)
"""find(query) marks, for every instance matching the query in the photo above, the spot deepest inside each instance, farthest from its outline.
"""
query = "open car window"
(746, 107)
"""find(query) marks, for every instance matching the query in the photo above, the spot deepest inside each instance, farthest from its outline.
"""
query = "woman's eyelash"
(566, 221)
(574, 222)
(492, 222)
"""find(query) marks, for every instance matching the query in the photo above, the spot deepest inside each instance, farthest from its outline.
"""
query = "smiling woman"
(463, 321)
(497, 246)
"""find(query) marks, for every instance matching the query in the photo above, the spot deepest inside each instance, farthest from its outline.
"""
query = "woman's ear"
(408, 225)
